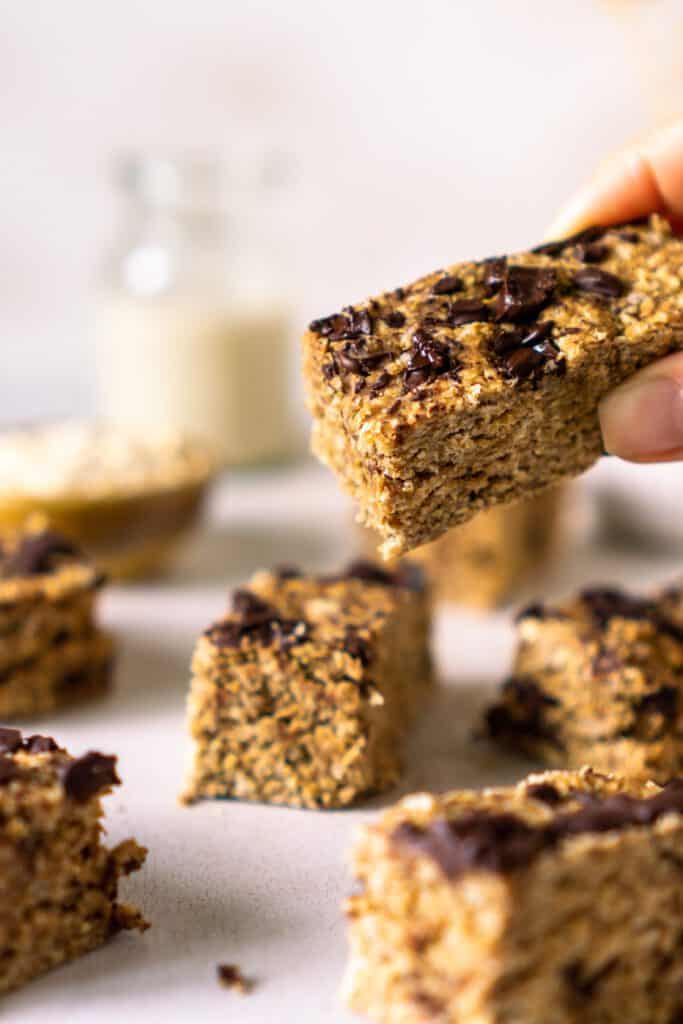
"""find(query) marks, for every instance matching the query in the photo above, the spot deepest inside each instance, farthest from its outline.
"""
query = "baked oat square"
(598, 680)
(553, 902)
(59, 883)
(304, 692)
(479, 385)
(52, 651)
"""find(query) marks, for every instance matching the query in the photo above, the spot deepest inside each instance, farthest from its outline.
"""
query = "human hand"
(642, 419)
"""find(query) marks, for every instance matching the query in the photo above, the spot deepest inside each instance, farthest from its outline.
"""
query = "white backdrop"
(422, 132)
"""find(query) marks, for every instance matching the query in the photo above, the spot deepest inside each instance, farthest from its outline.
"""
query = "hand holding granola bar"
(642, 420)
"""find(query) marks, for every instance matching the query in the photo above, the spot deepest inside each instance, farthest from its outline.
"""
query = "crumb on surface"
(230, 976)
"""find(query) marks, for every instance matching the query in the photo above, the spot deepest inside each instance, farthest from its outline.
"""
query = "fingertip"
(623, 189)
(642, 419)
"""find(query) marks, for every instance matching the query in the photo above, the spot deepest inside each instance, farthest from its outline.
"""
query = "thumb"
(642, 419)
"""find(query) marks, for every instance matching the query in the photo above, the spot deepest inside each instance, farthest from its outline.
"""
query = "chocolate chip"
(357, 646)
(88, 775)
(380, 383)
(670, 628)
(394, 318)
(428, 352)
(447, 285)
(476, 841)
(539, 333)
(663, 701)
(584, 985)
(362, 322)
(468, 311)
(523, 362)
(599, 282)
(260, 621)
(629, 236)
(493, 272)
(8, 769)
(538, 611)
(288, 572)
(413, 379)
(524, 292)
(408, 575)
(10, 740)
(354, 358)
(349, 362)
(506, 339)
(481, 840)
(521, 713)
(37, 554)
(361, 569)
(328, 324)
(605, 603)
(591, 253)
(524, 352)
(429, 359)
(588, 235)
(330, 369)
(351, 323)
(545, 792)
(40, 744)
(290, 632)
(251, 608)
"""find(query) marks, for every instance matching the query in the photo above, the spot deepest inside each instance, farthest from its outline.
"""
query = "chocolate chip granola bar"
(482, 562)
(59, 881)
(51, 649)
(479, 385)
(598, 680)
(553, 902)
(303, 693)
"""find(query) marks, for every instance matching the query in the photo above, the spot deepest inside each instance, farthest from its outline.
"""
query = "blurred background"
(204, 178)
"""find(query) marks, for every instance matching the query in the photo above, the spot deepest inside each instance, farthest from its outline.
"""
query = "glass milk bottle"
(191, 331)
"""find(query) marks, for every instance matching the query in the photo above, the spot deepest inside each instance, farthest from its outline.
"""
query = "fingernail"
(644, 420)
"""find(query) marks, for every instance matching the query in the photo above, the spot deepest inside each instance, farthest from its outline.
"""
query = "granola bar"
(598, 680)
(479, 385)
(484, 561)
(552, 902)
(303, 693)
(51, 649)
(59, 881)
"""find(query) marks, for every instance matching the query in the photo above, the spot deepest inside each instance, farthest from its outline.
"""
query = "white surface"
(231, 882)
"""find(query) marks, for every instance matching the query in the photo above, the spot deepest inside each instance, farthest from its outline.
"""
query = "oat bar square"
(598, 680)
(553, 902)
(59, 882)
(304, 692)
(52, 651)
